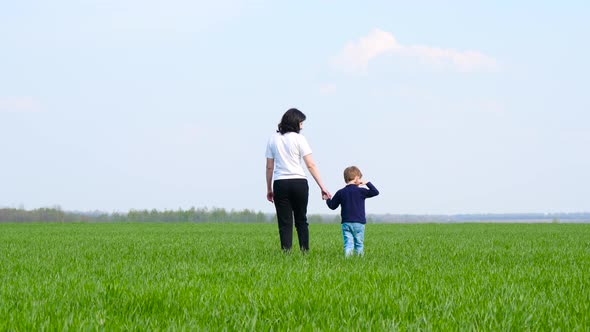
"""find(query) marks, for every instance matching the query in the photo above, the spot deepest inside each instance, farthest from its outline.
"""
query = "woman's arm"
(315, 173)
(270, 166)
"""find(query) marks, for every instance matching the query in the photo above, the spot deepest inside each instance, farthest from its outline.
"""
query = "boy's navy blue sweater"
(352, 198)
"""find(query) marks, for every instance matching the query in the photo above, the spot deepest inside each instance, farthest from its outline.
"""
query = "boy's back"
(352, 199)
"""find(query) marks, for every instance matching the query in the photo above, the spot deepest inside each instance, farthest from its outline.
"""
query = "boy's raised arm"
(372, 190)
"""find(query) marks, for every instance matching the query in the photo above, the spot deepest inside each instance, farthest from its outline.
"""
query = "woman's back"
(287, 150)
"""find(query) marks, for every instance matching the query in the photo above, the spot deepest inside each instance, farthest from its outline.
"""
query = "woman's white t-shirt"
(287, 150)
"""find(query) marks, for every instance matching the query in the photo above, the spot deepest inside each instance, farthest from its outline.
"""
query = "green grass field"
(146, 276)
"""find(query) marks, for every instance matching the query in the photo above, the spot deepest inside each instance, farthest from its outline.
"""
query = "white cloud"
(357, 54)
(19, 105)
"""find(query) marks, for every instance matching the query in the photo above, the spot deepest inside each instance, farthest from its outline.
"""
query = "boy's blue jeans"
(354, 237)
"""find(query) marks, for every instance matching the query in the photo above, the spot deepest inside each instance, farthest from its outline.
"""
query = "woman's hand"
(270, 196)
(326, 194)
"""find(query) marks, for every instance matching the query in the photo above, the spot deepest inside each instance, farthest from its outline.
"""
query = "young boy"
(352, 199)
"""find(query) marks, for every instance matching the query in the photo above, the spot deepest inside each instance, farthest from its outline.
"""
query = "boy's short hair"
(351, 172)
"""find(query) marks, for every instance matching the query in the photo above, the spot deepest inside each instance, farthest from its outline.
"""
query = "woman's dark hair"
(290, 121)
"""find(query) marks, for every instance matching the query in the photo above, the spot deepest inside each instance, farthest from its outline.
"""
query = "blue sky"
(448, 107)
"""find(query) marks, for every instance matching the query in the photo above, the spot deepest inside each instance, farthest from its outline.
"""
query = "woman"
(290, 190)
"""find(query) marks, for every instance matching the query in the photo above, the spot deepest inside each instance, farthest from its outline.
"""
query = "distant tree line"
(56, 214)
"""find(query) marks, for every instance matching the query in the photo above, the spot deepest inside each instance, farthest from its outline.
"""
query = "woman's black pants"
(290, 198)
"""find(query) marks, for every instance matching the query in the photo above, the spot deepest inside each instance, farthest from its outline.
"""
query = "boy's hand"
(357, 181)
(360, 182)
